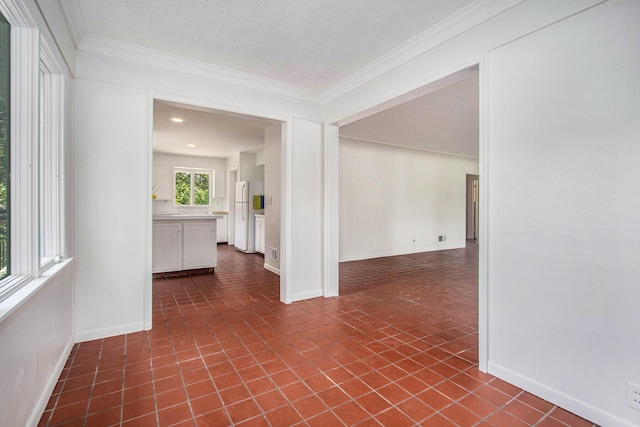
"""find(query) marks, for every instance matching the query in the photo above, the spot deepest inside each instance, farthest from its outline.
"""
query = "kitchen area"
(216, 181)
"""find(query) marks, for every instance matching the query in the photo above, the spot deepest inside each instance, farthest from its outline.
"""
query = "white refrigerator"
(245, 214)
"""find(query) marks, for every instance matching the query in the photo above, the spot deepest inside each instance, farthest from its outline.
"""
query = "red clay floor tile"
(397, 347)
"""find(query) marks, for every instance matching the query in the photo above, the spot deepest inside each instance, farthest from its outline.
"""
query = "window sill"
(12, 302)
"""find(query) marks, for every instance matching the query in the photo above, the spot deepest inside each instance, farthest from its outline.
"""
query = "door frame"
(284, 231)
(472, 207)
(332, 199)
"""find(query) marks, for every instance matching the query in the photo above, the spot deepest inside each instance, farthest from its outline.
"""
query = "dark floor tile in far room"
(398, 347)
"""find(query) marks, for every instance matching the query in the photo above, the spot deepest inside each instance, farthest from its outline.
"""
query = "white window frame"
(25, 156)
(51, 159)
(194, 171)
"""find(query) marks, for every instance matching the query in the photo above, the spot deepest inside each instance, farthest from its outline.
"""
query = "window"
(50, 161)
(31, 151)
(192, 186)
(5, 50)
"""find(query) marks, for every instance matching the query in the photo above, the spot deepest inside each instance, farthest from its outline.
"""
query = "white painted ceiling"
(443, 119)
(312, 44)
(214, 133)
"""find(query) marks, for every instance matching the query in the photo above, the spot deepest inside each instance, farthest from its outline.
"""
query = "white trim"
(110, 331)
(460, 22)
(147, 303)
(28, 288)
(384, 254)
(483, 221)
(331, 210)
(103, 46)
(25, 49)
(285, 217)
(558, 398)
(47, 391)
(51, 146)
(285, 191)
(271, 269)
(440, 153)
(306, 295)
(16, 13)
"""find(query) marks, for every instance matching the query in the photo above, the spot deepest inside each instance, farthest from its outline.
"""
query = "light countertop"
(186, 217)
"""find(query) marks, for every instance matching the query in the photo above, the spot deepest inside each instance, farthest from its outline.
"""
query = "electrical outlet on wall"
(633, 395)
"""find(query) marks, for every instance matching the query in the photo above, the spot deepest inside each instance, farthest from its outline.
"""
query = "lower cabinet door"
(199, 245)
(167, 246)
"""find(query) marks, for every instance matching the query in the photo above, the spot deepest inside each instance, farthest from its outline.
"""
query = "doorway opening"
(230, 147)
(473, 206)
(402, 195)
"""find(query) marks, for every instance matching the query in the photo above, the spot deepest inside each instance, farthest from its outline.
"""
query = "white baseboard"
(95, 334)
(271, 269)
(306, 295)
(41, 405)
(559, 398)
(384, 254)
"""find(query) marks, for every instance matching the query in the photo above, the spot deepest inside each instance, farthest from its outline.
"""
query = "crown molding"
(471, 16)
(103, 46)
(458, 23)
(17, 14)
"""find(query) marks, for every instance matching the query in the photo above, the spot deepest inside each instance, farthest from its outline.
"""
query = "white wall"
(37, 322)
(166, 163)
(303, 213)
(113, 177)
(444, 52)
(112, 197)
(396, 200)
(248, 169)
(36, 341)
(576, 332)
(564, 128)
(272, 191)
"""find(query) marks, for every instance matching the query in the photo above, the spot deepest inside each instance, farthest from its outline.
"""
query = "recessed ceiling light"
(191, 145)
(177, 119)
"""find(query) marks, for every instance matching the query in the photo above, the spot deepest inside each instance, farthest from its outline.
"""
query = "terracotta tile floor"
(397, 348)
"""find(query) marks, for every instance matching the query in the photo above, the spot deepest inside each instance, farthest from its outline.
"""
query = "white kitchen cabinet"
(184, 242)
(222, 228)
(199, 244)
(163, 182)
(167, 246)
(259, 236)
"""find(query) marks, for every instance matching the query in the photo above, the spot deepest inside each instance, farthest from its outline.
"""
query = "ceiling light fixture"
(177, 119)
(191, 145)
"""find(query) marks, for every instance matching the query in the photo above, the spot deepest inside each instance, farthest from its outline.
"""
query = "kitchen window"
(192, 187)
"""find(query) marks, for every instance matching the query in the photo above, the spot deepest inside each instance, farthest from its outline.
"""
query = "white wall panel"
(111, 208)
(304, 216)
(272, 191)
(564, 133)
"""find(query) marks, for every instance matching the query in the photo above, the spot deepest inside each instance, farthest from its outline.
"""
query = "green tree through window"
(4, 146)
(183, 188)
(192, 187)
(201, 189)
